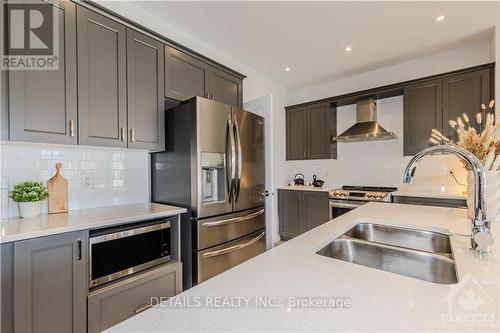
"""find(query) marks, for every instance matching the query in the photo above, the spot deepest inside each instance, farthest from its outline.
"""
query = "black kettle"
(299, 179)
(317, 182)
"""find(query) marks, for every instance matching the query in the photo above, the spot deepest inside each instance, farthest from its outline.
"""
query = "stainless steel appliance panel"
(213, 121)
(217, 230)
(340, 207)
(218, 259)
(250, 170)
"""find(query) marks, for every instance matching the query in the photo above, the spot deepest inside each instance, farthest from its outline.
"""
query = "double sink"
(419, 254)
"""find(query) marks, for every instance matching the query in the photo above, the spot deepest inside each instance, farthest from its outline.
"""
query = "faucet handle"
(482, 242)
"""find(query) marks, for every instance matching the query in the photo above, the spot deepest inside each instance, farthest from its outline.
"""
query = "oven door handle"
(346, 203)
(234, 248)
(234, 219)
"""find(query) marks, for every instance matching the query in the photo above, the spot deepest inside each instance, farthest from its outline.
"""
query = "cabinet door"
(145, 82)
(464, 93)
(102, 94)
(316, 209)
(225, 87)
(296, 134)
(318, 136)
(422, 113)
(43, 103)
(50, 286)
(185, 76)
(290, 213)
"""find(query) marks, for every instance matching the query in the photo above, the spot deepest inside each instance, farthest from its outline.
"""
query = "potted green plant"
(29, 196)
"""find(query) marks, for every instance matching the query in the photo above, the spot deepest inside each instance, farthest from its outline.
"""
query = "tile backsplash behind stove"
(380, 163)
(97, 177)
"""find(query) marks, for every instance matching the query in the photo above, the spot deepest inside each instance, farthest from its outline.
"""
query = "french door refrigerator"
(213, 165)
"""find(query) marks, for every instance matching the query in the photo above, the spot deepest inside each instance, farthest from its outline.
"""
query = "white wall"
(255, 85)
(117, 176)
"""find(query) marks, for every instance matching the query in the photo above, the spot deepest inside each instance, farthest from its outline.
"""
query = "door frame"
(262, 106)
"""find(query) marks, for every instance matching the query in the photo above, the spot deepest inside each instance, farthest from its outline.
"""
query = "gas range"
(363, 193)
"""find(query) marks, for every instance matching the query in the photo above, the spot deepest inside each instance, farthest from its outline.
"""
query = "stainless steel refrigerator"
(214, 166)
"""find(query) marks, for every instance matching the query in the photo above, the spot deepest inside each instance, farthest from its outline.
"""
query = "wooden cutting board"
(58, 192)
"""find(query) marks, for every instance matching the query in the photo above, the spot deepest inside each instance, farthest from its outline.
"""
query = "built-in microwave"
(120, 251)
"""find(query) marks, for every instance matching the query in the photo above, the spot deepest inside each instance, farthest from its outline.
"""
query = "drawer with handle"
(217, 230)
(116, 302)
(218, 259)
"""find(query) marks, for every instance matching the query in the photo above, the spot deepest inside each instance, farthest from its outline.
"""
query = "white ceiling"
(311, 38)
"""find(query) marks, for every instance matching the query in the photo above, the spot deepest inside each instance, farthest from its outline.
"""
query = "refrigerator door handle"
(231, 159)
(240, 158)
(234, 247)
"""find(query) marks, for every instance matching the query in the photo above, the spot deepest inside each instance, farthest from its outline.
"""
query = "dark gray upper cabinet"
(431, 104)
(422, 113)
(319, 135)
(301, 211)
(145, 73)
(102, 85)
(464, 93)
(225, 88)
(296, 134)
(50, 289)
(43, 103)
(185, 76)
(308, 132)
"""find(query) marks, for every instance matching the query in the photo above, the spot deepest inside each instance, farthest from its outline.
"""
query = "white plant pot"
(30, 209)
(492, 194)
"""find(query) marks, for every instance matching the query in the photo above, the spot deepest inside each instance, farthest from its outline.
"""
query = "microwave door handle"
(233, 248)
(240, 157)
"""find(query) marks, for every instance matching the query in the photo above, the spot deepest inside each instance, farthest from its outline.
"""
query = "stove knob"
(369, 195)
(383, 195)
(345, 194)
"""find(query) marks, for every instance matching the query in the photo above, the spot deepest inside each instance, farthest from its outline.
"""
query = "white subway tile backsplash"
(380, 163)
(96, 177)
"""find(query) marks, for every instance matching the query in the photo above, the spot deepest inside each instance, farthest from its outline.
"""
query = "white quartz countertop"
(305, 188)
(18, 229)
(380, 301)
(430, 194)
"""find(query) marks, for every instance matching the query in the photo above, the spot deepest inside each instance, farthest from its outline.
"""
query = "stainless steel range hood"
(366, 127)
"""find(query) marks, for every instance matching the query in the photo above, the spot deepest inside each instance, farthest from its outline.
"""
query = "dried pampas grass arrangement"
(481, 138)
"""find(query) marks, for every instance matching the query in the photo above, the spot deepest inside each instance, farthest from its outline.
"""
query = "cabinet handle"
(212, 96)
(305, 153)
(71, 128)
(79, 249)
(141, 308)
(207, 95)
(124, 138)
(132, 134)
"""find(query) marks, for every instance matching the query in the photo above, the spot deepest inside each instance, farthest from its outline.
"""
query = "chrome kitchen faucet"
(481, 238)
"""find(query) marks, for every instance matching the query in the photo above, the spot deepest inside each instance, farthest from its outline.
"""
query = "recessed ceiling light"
(348, 49)
(287, 69)
(440, 18)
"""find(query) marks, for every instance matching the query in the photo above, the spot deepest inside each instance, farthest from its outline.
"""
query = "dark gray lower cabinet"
(7, 287)
(301, 211)
(43, 103)
(145, 87)
(50, 283)
(117, 302)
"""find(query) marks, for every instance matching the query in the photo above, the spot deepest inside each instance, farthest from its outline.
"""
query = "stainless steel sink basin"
(403, 237)
(418, 254)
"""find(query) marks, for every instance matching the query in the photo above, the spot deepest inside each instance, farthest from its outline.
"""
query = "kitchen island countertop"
(16, 229)
(380, 301)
